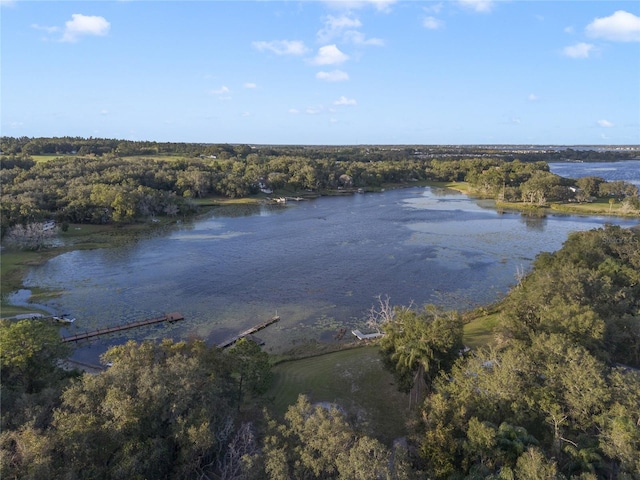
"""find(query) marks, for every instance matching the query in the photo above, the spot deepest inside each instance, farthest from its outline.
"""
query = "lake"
(628, 170)
(319, 264)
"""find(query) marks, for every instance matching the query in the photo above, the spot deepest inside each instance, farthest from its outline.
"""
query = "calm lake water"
(319, 264)
(629, 170)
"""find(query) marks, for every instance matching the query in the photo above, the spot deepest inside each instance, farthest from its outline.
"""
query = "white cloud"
(532, 97)
(333, 76)
(104, 112)
(223, 93)
(294, 111)
(620, 27)
(282, 47)
(605, 123)
(45, 28)
(358, 38)
(380, 5)
(345, 101)
(345, 28)
(569, 29)
(7, 3)
(313, 110)
(329, 55)
(482, 6)
(579, 50)
(80, 25)
(432, 23)
(436, 8)
(250, 85)
(334, 26)
(220, 91)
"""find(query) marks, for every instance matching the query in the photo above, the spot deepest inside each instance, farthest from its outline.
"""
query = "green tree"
(29, 354)
(251, 368)
(417, 345)
(160, 411)
(316, 442)
(532, 465)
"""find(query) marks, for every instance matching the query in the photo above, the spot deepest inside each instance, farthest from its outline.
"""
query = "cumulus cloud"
(345, 27)
(482, 6)
(532, 97)
(432, 23)
(329, 55)
(81, 25)
(282, 47)
(333, 76)
(250, 85)
(579, 50)
(345, 101)
(620, 27)
(294, 111)
(334, 26)
(605, 123)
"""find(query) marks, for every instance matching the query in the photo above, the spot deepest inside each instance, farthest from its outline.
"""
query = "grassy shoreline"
(600, 207)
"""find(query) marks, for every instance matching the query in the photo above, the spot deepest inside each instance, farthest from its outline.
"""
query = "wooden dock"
(169, 317)
(260, 326)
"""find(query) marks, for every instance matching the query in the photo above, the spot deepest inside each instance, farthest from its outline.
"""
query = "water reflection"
(534, 222)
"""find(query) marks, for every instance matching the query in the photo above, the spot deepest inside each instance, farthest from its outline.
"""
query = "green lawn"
(479, 332)
(355, 379)
(46, 158)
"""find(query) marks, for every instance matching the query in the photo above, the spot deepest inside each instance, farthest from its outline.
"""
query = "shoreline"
(88, 237)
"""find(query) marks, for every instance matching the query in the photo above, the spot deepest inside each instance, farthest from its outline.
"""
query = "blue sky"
(323, 72)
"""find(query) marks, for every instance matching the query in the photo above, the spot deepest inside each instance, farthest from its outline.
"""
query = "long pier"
(169, 317)
(254, 329)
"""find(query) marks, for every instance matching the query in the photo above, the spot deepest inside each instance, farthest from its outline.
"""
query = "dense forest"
(104, 181)
(555, 396)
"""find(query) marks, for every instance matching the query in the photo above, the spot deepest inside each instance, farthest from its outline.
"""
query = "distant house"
(262, 185)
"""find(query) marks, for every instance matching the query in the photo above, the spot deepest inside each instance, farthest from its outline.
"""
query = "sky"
(339, 72)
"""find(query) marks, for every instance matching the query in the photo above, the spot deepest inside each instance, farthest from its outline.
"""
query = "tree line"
(555, 396)
(112, 187)
(121, 147)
